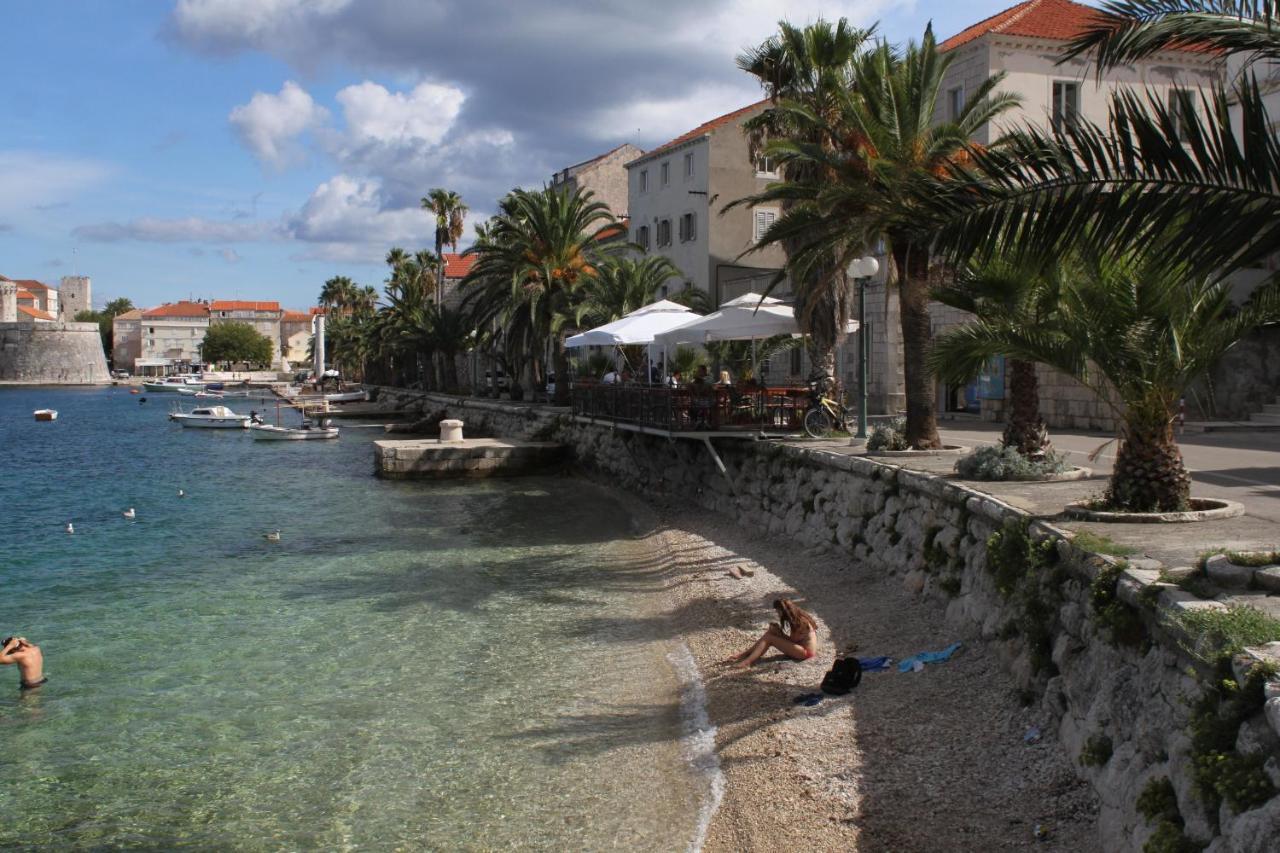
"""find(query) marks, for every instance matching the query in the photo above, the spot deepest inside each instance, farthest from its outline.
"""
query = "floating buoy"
(181, 493)
(129, 513)
(71, 528)
(134, 391)
(272, 536)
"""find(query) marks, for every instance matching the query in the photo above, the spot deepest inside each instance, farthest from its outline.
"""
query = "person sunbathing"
(794, 634)
(30, 661)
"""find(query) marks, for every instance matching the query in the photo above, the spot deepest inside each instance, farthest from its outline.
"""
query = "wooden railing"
(694, 407)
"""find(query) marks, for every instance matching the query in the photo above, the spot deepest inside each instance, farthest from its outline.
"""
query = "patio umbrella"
(638, 327)
(748, 317)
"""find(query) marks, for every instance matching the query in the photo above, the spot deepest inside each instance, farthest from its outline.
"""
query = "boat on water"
(211, 417)
(46, 414)
(175, 384)
(347, 397)
(308, 431)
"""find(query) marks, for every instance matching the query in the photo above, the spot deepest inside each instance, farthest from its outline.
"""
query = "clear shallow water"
(461, 666)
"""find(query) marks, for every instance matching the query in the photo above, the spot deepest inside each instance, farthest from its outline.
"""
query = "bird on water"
(71, 528)
(272, 536)
(129, 513)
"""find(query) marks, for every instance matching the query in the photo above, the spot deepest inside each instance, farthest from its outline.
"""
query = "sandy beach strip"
(918, 761)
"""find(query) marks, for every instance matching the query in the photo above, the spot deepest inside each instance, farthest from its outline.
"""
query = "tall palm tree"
(1143, 329)
(876, 183)
(338, 293)
(543, 247)
(450, 215)
(623, 285)
(811, 70)
(1016, 297)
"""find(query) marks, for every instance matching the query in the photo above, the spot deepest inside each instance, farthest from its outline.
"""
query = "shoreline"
(917, 761)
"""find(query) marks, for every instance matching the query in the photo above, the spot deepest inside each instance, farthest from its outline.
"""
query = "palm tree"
(1141, 328)
(623, 285)
(874, 184)
(1016, 297)
(338, 293)
(543, 248)
(811, 70)
(450, 215)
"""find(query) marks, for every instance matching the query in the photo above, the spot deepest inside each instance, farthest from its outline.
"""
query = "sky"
(253, 149)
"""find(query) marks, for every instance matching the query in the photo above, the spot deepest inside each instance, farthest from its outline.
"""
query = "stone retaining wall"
(1095, 641)
(52, 354)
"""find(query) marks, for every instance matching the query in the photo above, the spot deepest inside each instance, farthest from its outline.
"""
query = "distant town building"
(75, 295)
(604, 176)
(39, 347)
(37, 295)
(456, 267)
(171, 337)
(295, 337)
(126, 339)
(675, 194)
(264, 317)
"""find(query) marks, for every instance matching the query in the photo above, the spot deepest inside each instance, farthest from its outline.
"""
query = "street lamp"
(861, 270)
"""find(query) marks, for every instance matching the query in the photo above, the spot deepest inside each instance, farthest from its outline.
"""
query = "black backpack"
(844, 676)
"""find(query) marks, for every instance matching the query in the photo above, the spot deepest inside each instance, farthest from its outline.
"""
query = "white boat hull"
(347, 397)
(212, 423)
(46, 414)
(273, 433)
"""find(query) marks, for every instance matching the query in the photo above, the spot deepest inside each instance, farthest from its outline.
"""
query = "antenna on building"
(75, 261)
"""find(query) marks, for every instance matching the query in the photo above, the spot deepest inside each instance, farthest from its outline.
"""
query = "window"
(1182, 108)
(766, 168)
(642, 237)
(664, 232)
(644, 180)
(666, 173)
(955, 103)
(764, 221)
(1066, 102)
(688, 165)
(688, 228)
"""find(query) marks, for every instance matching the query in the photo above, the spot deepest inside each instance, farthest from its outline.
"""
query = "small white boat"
(347, 397)
(46, 414)
(308, 431)
(172, 384)
(211, 417)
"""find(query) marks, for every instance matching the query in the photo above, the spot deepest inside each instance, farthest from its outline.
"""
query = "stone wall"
(1097, 643)
(52, 354)
(1246, 379)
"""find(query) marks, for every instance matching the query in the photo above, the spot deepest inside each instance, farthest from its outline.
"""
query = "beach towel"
(880, 664)
(927, 657)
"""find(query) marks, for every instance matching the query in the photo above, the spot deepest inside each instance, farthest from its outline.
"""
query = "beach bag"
(844, 675)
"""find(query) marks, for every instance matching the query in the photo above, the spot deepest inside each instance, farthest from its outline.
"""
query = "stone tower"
(8, 302)
(74, 296)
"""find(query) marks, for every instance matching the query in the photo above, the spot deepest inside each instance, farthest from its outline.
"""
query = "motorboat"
(207, 395)
(46, 414)
(306, 432)
(211, 417)
(172, 384)
(347, 396)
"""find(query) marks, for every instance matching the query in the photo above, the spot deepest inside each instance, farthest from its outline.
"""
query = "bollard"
(450, 430)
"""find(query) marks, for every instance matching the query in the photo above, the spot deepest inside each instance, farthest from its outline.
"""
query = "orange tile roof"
(1058, 20)
(296, 317)
(25, 294)
(32, 284)
(34, 313)
(242, 305)
(701, 130)
(178, 309)
(457, 266)
(132, 314)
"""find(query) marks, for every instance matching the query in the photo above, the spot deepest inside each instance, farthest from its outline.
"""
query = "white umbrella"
(748, 317)
(638, 327)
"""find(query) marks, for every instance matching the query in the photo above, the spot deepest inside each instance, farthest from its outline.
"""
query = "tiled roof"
(457, 266)
(242, 305)
(34, 313)
(23, 293)
(32, 284)
(701, 130)
(597, 158)
(178, 309)
(296, 317)
(131, 314)
(1059, 20)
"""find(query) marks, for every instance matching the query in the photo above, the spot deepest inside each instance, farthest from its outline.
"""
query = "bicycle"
(826, 414)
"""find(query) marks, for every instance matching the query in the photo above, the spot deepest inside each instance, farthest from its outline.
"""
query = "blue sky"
(254, 148)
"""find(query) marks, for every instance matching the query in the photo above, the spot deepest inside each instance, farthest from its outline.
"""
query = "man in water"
(29, 660)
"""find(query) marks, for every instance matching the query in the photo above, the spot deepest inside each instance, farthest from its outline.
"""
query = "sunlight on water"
(462, 666)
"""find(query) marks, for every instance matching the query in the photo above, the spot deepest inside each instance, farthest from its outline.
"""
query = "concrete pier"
(430, 459)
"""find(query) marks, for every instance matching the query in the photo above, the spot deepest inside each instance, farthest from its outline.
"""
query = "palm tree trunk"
(1149, 475)
(913, 289)
(560, 359)
(1025, 429)
(822, 363)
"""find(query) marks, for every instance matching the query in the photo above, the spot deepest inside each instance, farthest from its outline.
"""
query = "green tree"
(235, 343)
(623, 285)
(877, 181)
(1138, 330)
(807, 73)
(450, 215)
(338, 294)
(106, 320)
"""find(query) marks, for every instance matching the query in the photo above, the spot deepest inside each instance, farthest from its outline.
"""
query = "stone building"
(264, 317)
(36, 295)
(75, 294)
(604, 176)
(126, 340)
(295, 337)
(675, 194)
(36, 348)
(171, 337)
(456, 267)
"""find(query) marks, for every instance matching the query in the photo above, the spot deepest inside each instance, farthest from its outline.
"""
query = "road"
(1240, 466)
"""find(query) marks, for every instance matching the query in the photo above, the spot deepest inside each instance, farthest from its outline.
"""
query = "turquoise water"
(412, 666)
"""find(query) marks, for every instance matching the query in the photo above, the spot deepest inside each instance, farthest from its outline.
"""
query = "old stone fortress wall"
(54, 351)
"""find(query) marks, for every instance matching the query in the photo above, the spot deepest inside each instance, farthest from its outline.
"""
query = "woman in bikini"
(794, 634)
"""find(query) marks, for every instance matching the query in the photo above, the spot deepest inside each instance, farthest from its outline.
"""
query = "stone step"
(1271, 409)
(1265, 419)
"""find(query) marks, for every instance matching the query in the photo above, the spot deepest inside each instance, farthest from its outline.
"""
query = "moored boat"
(173, 384)
(46, 414)
(307, 432)
(347, 397)
(211, 417)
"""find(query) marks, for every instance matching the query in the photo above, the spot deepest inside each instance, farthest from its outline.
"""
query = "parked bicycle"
(827, 414)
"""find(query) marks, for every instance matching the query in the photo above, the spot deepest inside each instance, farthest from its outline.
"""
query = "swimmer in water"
(30, 662)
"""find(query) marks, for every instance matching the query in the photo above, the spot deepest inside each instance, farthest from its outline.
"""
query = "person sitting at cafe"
(702, 376)
(675, 380)
(725, 380)
(611, 378)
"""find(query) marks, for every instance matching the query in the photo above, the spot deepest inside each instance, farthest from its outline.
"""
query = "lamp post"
(862, 270)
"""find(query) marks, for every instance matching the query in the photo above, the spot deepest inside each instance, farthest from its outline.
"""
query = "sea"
(411, 666)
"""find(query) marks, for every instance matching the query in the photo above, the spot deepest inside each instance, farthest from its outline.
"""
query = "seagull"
(273, 536)
(129, 513)
(181, 493)
(71, 528)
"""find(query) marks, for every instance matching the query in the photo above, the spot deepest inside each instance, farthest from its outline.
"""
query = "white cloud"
(423, 115)
(348, 218)
(234, 20)
(38, 181)
(192, 229)
(269, 125)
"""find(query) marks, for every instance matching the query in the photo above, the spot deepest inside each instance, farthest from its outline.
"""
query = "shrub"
(1097, 751)
(1121, 621)
(950, 585)
(1219, 771)
(889, 436)
(1011, 554)
(1254, 559)
(1101, 544)
(1169, 838)
(999, 462)
(1158, 801)
(1232, 629)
